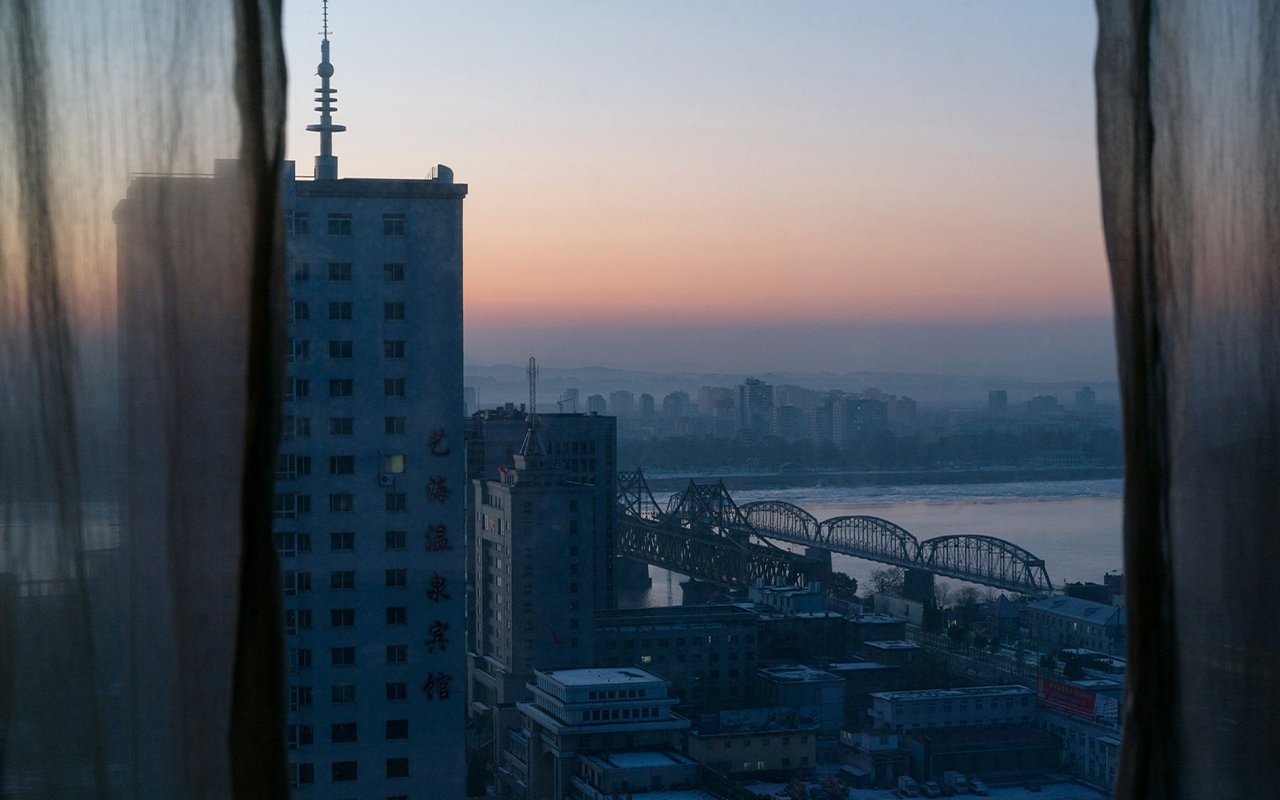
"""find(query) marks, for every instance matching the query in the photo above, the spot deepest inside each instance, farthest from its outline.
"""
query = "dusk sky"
(727, 163)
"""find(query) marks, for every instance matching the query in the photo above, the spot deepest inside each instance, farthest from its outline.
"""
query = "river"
(1075, 526)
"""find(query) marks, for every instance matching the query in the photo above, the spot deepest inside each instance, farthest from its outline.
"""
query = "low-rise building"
(875, 758)
(758, 742)
(787, 598)
(1090, 749)
(802, 636)
(862, 679)
(895, 652)
(707, 652)
(798, 686)
(991, 754)
(1058, 622)
(875, 628)
(969, 707)
(583, 711)
(607, 775)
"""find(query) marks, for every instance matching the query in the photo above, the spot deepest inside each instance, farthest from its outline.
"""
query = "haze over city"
(677, 187)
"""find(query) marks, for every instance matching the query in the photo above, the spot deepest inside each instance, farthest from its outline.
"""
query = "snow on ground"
(1049, 791)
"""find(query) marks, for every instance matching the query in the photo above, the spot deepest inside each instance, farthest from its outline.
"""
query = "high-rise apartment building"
(523, 560)
(998, 401)
(622, 403)
(646, 406)
(370, 483)
(596, 404)
(755, 406)
(583, 446)
(854, 418)
(536, 557)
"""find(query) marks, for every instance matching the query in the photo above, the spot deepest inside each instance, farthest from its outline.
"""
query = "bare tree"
(888, 581)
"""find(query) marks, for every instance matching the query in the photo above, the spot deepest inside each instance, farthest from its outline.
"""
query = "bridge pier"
(630, 576)
(823, 556)
(918, 585)
(695, 592)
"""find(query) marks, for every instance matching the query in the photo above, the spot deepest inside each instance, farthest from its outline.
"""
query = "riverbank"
(673, 482)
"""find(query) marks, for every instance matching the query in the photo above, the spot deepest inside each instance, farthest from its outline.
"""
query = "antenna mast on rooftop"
(326, 162)
(532, 372)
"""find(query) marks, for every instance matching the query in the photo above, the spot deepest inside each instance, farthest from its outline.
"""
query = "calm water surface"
(1075, 526)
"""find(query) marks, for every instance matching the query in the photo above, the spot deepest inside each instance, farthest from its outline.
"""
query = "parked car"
(908, 787)
(1031, 785)
(979, 788)
(931, 789)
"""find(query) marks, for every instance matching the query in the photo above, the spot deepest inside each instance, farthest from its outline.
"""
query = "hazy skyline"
(700, 163)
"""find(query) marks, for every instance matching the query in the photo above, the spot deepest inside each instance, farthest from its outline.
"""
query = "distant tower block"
(326, 162)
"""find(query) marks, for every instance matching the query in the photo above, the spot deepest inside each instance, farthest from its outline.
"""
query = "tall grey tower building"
(369, 510)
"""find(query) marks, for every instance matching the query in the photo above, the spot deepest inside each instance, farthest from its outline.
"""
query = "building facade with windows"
(584, 712)
(953, 708)
(755, 406)
(1070, 622)
(707, 652)
(535, 576)
(370, 489)
(370, 481)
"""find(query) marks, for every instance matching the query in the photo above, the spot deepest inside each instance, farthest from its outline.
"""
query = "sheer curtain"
(140, 636)
(1188, 101)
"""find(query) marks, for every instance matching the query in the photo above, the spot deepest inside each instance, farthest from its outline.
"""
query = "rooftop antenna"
(532, 446)
(532, 373)
(326, 162)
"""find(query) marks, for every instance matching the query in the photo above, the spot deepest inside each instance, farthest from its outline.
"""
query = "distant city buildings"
(998, 401)
(646, 406)
(622, 404)
(1086, 400)
(568, 403)
(755, 407)
(1043, 404)
(596, 404)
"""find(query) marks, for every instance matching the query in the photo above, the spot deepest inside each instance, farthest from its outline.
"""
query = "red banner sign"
(1066, 698)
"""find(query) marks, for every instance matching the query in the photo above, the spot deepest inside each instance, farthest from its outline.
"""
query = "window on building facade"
(393, 387)
(393, 348)
(394, 426)
(342, 579)
(393, 311)
(397, 729)
(393, 272)
(342, 465)
(341, 387)
(341, 426)
(339, 224)
(340, 310)
(340, 348)
(342, 657)
(396, 577)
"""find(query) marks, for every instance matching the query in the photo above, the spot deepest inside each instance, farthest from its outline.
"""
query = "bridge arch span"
(780, 517)
(1002, 564)
(871, 535)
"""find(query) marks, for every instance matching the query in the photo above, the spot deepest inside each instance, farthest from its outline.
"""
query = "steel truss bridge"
(701, 532)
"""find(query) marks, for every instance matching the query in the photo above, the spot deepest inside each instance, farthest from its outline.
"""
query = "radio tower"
(532, 446)
(326, 162)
